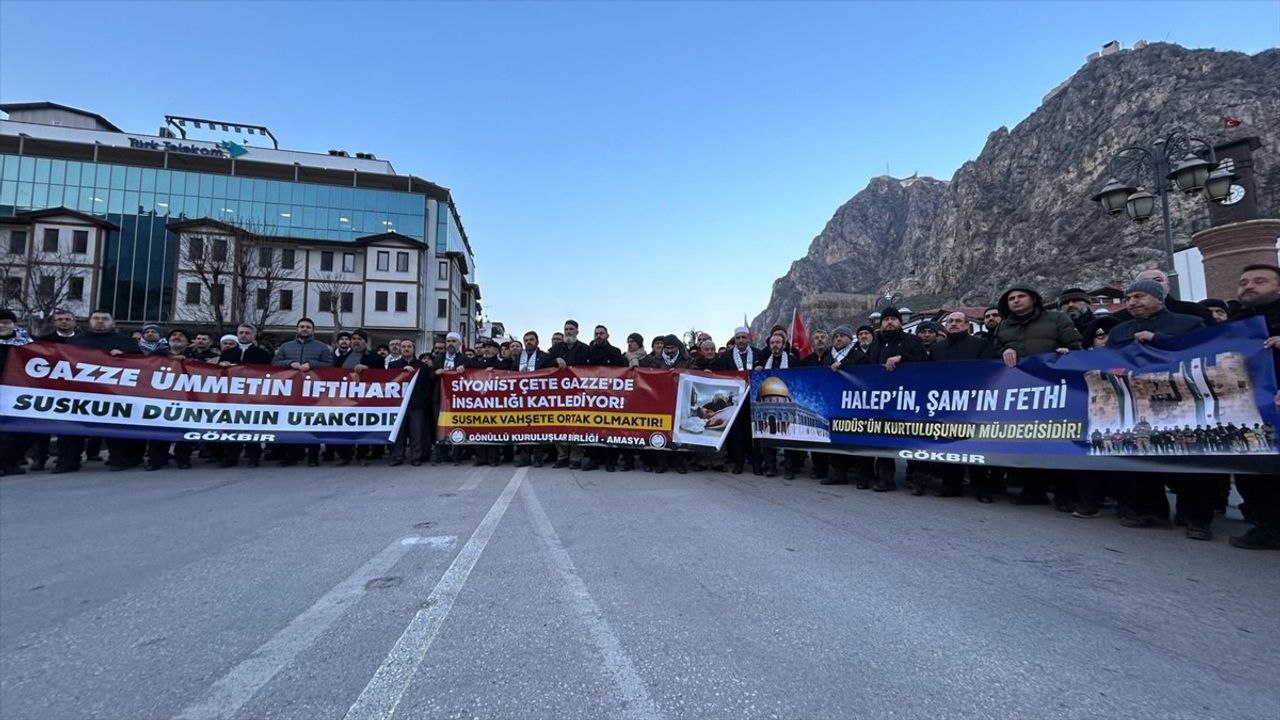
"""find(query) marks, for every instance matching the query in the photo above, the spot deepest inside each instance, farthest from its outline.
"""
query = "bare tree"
(234, 267)
(333, 288)
(38, 283)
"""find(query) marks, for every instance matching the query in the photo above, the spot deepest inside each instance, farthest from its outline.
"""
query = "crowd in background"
(1018, 325)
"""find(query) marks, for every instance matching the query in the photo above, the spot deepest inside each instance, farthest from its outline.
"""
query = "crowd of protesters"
(1017, 326)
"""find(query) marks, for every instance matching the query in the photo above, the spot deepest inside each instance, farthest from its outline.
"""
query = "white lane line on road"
(638, 704)
(473, 480)
(226, 696)
(435, 541)
(382, 695)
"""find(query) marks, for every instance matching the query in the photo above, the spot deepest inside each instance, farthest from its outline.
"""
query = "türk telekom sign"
(223, 149)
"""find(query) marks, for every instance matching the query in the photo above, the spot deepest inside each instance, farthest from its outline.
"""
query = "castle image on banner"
(774, 414)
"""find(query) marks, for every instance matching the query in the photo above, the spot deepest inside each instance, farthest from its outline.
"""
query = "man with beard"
(357, 358)
(991, 319)
(865, 349)
(602, 353)
(1029, 329)
(393, 352)
(244, 351)
(671, 357)
(411, 441)
(742, 357)
(102, 336)
(930, 334)
(1150, 321)
(817, 350)
(569, 353)
(779, 358)
(341, 347)
(1259, 293)
(894, 348)
(153, 341)
(487, 359)
(707, 358)
(202, 349)
(302, 353)
(450, 358)
(528, 359)
(1076, 303)
(833, 468)
(64, 328)
(158, 450)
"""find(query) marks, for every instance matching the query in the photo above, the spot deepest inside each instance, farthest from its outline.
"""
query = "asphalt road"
(491, 593)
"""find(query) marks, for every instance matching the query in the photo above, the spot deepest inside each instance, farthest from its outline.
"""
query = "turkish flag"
(1230, 122)
(799, 338)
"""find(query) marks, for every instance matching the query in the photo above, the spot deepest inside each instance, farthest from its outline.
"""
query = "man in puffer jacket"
(1029, 329)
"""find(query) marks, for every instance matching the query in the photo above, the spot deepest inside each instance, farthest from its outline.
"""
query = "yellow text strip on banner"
(639, 421)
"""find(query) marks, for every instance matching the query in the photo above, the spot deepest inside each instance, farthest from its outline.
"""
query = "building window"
(462, 329)
(44, 288)
(75, 288)
(80, 242)
(326, 301)
(348, 302)
(402, 302)
(286, 299)
(195, 249)
(442, 308)
(402, 262)
(348, 262)
(266, 256)
(444, 271)
(466, 301)
(12, 287)
(216, 293)
(384, 261)
(264, 299)
(50, 240)
(286, 258)
(193, 293)
(17, 242)
(326, 261)
(380, 301)
(219, 250)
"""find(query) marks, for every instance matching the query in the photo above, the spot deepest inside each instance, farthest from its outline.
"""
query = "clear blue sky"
(650, 166)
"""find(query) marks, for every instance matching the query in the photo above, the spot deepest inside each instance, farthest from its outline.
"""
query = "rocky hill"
(1022, 211)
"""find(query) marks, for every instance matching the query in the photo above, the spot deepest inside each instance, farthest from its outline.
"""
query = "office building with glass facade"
(389, 248)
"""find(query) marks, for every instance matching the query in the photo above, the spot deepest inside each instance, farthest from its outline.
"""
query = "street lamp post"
(1178, 161)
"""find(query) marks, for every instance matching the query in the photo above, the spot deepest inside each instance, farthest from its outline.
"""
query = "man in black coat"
(64, 328)
(1181, 307)
(528, 360)
(894, 348)
(962, 344)
(246, 351)
(742, 357)
(1259, 293)
(603, 354)
(487, 359)
(1149, 316)
(779, 359)
(354, 354)
(1077, 304)
(125, 454)
(13, 445)
(569, 352)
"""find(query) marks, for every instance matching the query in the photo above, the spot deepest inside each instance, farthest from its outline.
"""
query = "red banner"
(65, 390)
(634, 407)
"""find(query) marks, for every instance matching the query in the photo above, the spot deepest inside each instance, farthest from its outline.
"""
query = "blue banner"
(1205, 401)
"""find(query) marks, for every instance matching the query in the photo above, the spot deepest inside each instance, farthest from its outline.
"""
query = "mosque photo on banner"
(706, 408)
(776, 415)
(1202, 405)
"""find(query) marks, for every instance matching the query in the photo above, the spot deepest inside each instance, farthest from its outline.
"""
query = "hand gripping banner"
(1202, 402)
(624, 407)
(65, 390)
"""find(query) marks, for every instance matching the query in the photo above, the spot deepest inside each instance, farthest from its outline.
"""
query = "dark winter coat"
(106, 341)
(543, 360)
(896, 344)
(728, 363)
(424, 389)
(605, 355)
(575, 354)
(313, 352)
(1271, 313)
(252, 355)
(1163, 324)
(963, 346)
